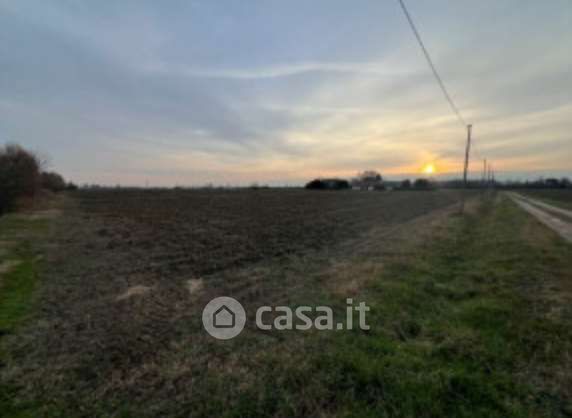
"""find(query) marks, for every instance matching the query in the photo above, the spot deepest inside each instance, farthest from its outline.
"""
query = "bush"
(315, 185)
(53, 181)
(71, 186)
(328, 184)
(422, 184)
(19, 175)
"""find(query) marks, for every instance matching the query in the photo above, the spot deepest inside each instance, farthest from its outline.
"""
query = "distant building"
(368, 180)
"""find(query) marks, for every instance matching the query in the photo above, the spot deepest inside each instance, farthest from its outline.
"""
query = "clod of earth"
(195, 285)
(134, 291)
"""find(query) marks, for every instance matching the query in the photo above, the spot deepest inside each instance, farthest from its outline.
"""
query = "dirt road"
(557, 219)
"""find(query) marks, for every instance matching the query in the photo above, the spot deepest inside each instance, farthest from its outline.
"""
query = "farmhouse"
(368, 180)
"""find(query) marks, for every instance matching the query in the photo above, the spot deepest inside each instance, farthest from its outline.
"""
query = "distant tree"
(338, 184)
(422, 184)
(256, 186)
(405, 184)
(19, 175)
(552, 183)
(328, 184)
(71, 186)
(53, 181)
(315, 184)
(368, 180)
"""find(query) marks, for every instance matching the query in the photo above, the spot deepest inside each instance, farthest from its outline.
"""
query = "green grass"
(454, 332)
(17, 287)
(16, 291)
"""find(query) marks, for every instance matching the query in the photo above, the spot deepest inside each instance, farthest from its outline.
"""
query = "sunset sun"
(429, 169)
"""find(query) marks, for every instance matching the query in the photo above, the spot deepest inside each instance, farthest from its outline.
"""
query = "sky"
(278, 92)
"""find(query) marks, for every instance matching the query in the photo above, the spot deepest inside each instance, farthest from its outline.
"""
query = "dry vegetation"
(23, 179)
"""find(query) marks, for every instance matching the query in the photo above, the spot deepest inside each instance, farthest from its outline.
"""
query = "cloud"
(281, 91)
(286, 70)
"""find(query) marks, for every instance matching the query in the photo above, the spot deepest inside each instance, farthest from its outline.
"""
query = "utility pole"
(466, 168)
(484, 172)
(467, 152)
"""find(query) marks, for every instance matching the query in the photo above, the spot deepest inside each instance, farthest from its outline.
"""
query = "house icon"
(224, 317)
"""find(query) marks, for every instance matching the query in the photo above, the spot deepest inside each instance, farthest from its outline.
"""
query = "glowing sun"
(429, 169)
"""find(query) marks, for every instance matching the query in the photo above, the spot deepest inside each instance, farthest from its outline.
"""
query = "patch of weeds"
(16, 292)
(17, 286)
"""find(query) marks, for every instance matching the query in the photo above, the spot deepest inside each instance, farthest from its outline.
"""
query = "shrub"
(19, 175)
(53, 181)
(71, 186)
(422, 184)
(328, 184)
(315, 185)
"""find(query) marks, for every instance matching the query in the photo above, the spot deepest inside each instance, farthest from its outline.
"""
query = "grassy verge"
(456, 335)
(460, 329)
(17, 285)
(558, 198)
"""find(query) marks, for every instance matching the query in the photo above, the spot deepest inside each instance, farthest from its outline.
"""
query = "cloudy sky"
(234, 91)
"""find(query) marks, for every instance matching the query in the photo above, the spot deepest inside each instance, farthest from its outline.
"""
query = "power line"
(430, 62)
